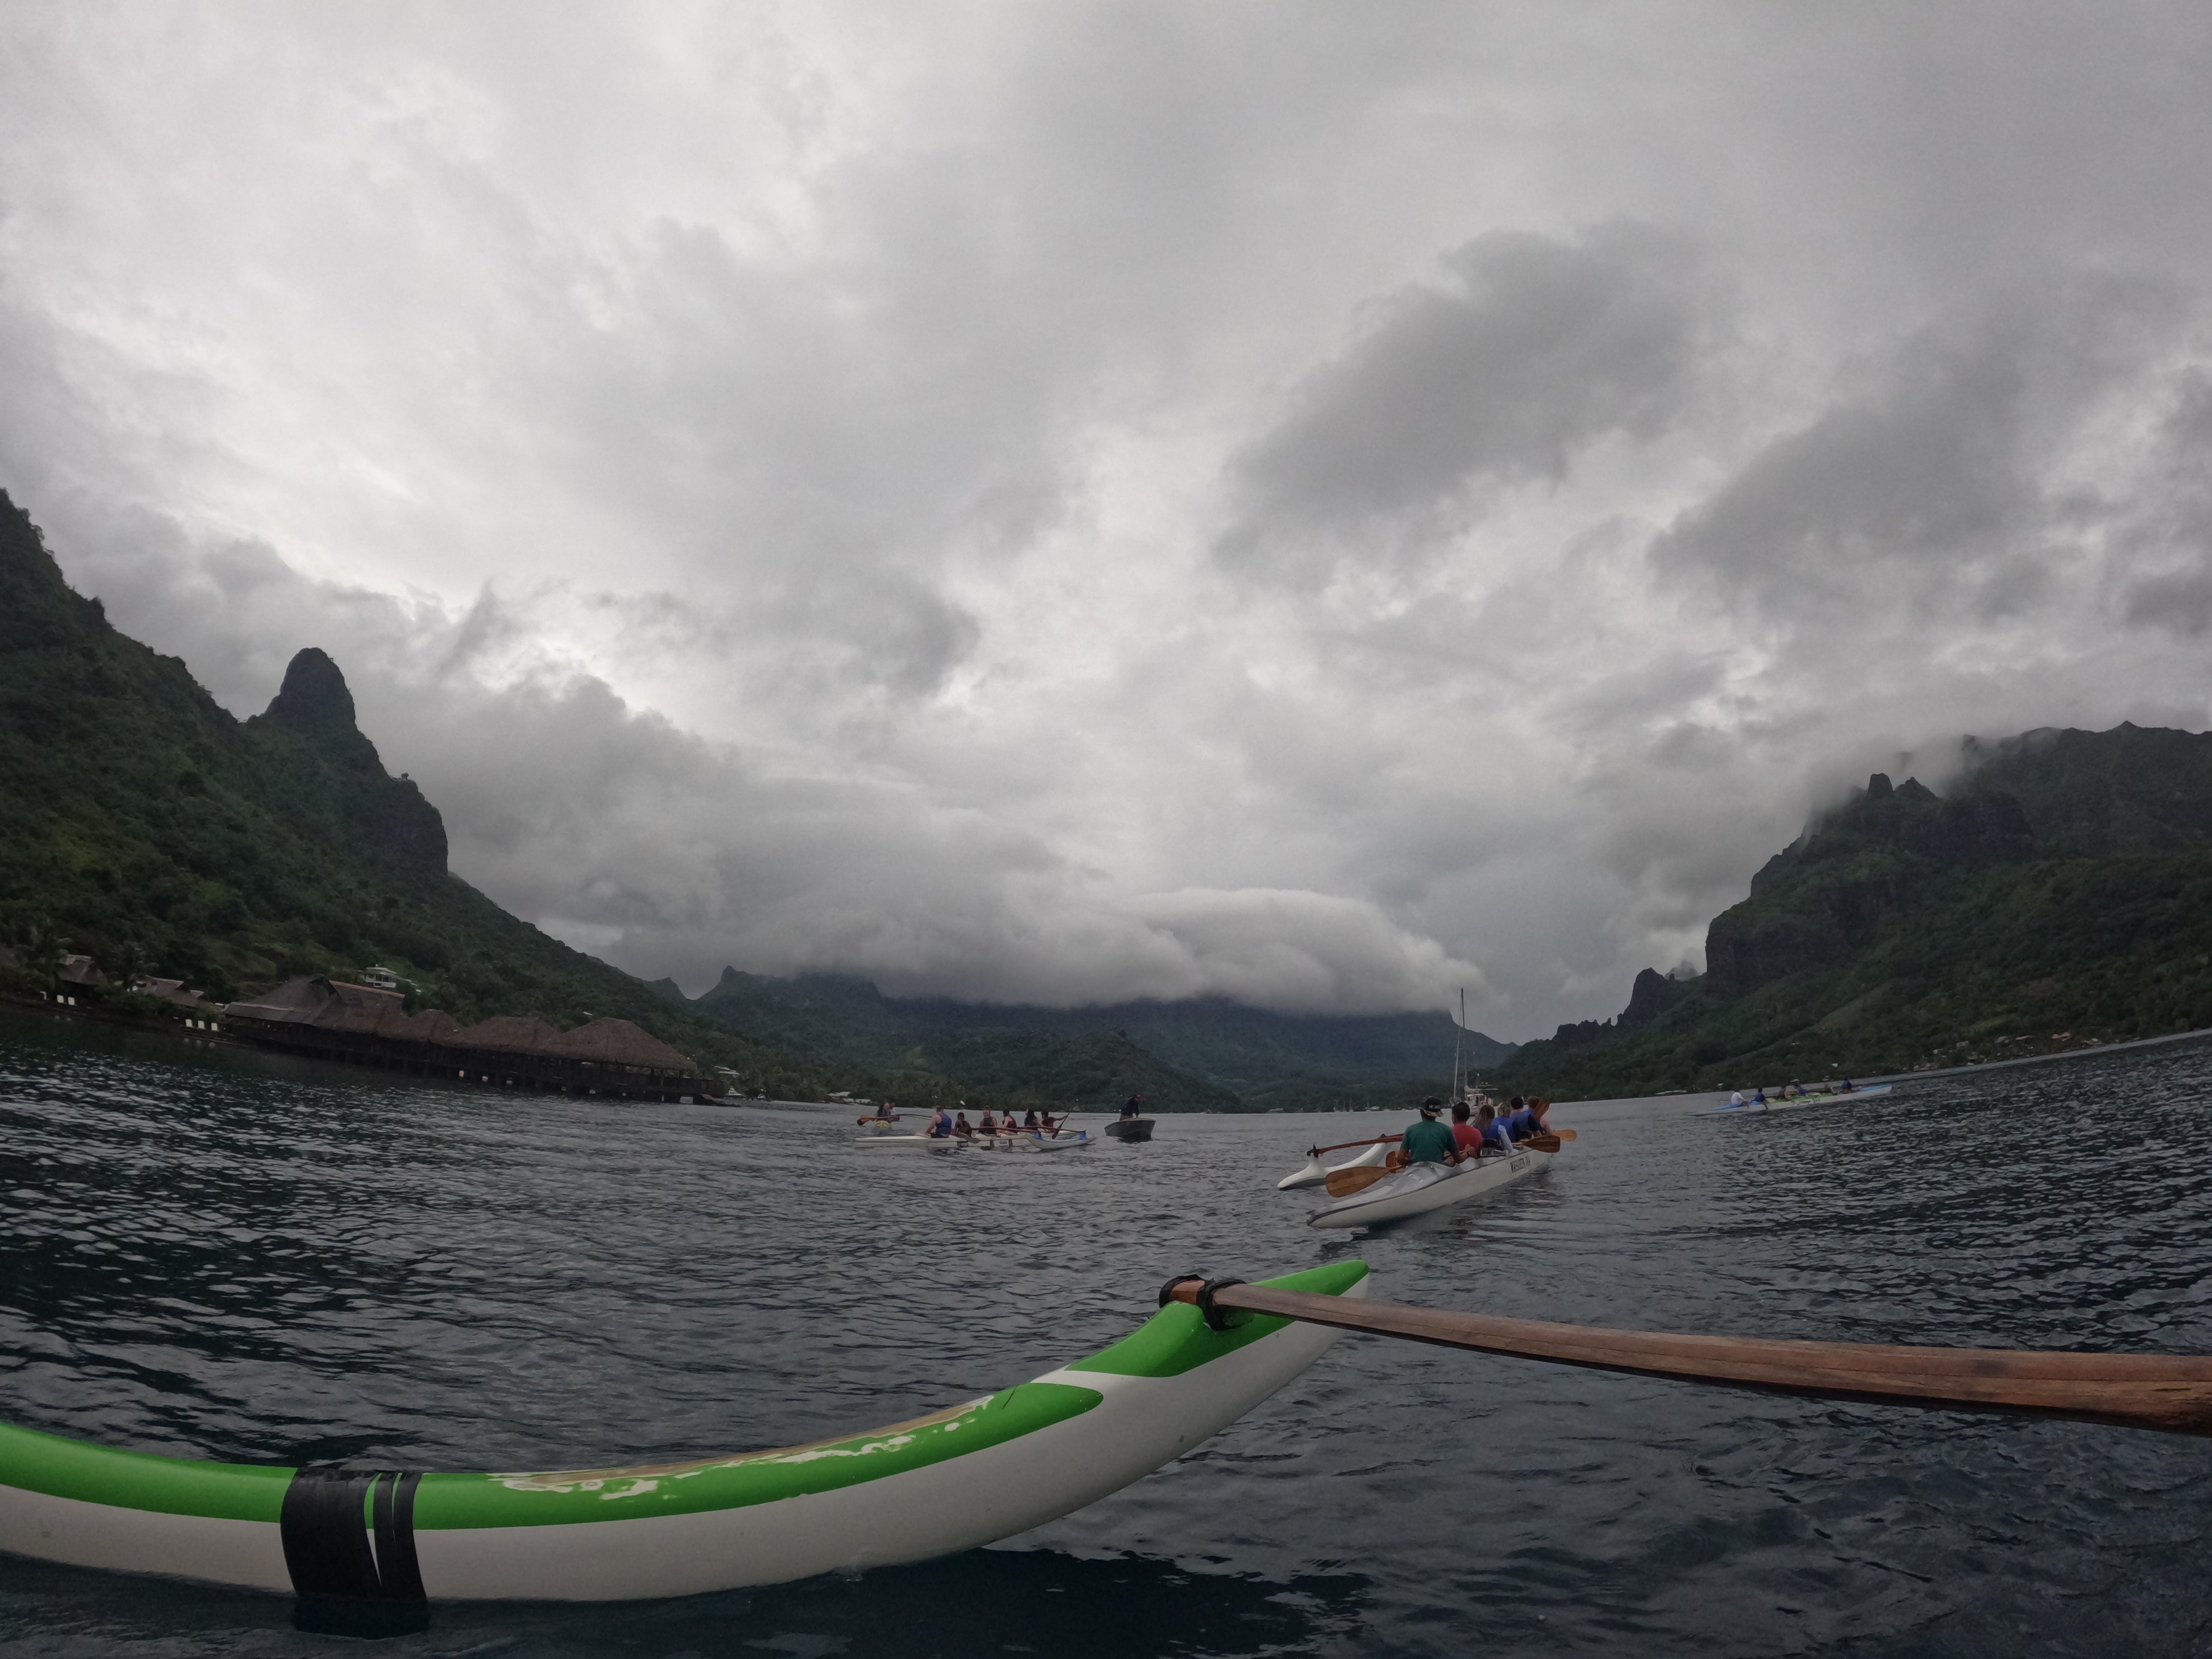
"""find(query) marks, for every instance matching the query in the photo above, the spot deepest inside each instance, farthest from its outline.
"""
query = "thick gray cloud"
(1322, 505)
(1536, 349)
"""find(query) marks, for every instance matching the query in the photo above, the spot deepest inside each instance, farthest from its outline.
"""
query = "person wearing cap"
(1132, 1107)
(1426, 1141)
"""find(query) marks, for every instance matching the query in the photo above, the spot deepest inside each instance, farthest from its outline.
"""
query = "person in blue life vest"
(1759, 1096)
(1529, 1120)
(1426, 1141)
(940, 1126)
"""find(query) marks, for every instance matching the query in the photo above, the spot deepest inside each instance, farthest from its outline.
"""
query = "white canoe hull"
(1033, 1142)
(1426, 1187)
(1871, 1091)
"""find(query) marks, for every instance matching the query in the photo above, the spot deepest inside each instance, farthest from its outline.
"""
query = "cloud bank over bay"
(1320, 506)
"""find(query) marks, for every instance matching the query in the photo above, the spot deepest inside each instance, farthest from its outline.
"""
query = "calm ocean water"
(230, 1256)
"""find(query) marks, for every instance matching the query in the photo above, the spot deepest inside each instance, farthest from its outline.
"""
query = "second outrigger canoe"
(967, 1475)
(1424, 1186)
(1828, 1097)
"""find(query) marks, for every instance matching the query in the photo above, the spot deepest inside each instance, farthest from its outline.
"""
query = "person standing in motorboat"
(1427, 1141)
(1132, 1107)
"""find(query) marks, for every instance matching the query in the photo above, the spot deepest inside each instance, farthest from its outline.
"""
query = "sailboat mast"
(1459, 1033)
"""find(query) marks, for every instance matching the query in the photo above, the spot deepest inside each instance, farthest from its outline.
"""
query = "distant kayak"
(983, 1470)
(1424, 1186)
(1871, 1091)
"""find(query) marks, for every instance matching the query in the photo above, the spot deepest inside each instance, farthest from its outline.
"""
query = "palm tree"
(125, 965)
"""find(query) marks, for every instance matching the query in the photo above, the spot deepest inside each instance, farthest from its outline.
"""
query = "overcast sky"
(1325, 503)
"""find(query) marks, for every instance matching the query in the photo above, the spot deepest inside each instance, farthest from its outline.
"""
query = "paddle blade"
(1543, 1142)
(1352, 1181)
(1564, 1134)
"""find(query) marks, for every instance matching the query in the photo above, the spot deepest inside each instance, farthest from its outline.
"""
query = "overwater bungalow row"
(367, 1025)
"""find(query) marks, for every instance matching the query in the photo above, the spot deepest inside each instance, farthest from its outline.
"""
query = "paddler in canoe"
(1425, 1141)
(1528, 1122)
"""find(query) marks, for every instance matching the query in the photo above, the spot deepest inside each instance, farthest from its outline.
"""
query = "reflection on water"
(223, 1254)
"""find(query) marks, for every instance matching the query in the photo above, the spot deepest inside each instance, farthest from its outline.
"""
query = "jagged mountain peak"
(314, 698)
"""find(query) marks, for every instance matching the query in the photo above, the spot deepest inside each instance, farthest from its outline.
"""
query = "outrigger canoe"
(1871, 1091)
(931, 1485)
(1422, 1187)
(1031, 1140)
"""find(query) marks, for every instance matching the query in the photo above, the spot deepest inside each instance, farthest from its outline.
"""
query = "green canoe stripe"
(450, 1501)
(140, 1481)
(1176, 1340)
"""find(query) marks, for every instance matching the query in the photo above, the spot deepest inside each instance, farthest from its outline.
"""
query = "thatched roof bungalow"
(343, 1021)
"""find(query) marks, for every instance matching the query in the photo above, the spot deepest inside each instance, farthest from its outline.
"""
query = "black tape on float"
(1218, 1318)
(349, 1545)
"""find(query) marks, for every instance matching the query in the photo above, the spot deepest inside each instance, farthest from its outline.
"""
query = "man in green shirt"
(1429, 1141)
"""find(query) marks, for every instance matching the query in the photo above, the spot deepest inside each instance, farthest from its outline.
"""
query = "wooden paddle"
(1315, 1151)
(2172, 1393)
(1341, 1182)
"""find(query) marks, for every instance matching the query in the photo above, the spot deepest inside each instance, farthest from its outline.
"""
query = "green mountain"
(2060, 895)
(1203, 1053)
(143, 825)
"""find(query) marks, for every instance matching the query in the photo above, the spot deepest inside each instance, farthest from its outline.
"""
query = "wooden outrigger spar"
(2169, 1393)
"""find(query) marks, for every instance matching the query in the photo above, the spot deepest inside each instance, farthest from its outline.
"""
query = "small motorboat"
(1131, 1129)
(1828, 1097)
(1423, 1187)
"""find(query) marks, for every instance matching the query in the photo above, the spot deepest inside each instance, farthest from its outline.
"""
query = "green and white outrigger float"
(395, 1540)
(949, 1481)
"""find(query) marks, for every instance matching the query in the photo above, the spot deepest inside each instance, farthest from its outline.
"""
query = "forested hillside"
(142, 824)
(2060, 895)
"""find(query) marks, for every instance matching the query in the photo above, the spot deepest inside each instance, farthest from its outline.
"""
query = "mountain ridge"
(2061, 895)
